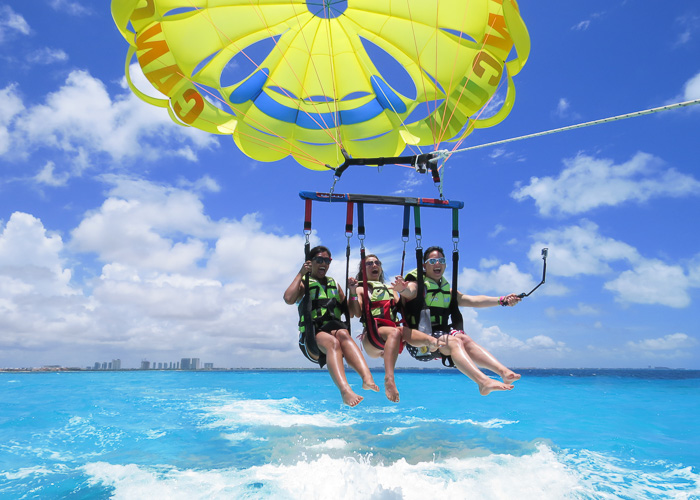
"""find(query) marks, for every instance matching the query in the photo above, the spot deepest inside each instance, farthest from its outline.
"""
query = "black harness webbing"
(307, 341)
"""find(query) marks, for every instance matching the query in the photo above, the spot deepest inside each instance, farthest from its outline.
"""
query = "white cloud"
(173, 283)
(652, 282)
(691, 89)
(563, 110)
(30, 260)
(581, 250)
(73, 8)
(582, 26)
(47, 56)
(587, 183)
(543, 342)
(84, 123)
(48, 177)
(10, 107)
(688, 25)
(490, 277)
(666, 343)
(11, 23)
(581, 309)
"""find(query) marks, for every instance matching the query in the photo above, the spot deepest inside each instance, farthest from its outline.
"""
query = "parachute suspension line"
(582, 125)
(291, 67)
(300, 153)
(470, 127)
(420, 67)
(445, 123)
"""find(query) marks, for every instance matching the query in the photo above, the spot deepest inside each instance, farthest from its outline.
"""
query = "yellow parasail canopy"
(307, 77)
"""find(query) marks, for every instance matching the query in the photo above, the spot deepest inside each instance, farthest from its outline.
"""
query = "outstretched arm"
(354, 305)
(407, 290)
(295, 290)
(465, 300)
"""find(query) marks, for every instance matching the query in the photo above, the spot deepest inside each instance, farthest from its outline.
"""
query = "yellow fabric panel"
(454, 54)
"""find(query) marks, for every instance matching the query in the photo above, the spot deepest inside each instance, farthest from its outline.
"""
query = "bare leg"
(392, 344)
(416, 338)
(354, 357)
(465, 365)
(484, 358)
(330, 346)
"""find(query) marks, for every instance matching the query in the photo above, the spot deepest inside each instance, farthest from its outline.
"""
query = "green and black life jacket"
(325, 303)
(437, 299)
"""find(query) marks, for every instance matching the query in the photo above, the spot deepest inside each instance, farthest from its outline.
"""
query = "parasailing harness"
(448, 318)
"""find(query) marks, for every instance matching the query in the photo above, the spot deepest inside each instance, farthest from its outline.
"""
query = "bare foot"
(510, 376)
(370, 385)
(493, 385)
(392, 393)
(350, 398)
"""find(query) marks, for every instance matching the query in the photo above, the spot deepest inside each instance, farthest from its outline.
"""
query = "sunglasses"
(322, 260)
(373, 263)
(432, 262)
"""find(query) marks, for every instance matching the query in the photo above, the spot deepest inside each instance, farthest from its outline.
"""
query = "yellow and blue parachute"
(308, 78)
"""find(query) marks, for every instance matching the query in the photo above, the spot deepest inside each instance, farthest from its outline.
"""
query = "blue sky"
(123, 235)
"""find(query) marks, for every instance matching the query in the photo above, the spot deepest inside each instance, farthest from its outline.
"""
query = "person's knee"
(394, 333)
(328, 342)
(343, 335)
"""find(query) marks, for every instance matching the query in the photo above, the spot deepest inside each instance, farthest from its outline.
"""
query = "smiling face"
(320, 264)
(373, 268)
(434, 271)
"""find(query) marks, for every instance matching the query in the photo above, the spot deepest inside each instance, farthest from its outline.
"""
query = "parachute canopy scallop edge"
(304, 78)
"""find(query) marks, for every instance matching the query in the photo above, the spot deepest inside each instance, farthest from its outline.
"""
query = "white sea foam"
(331, 444)
(545, 474)
(240, 437)
(153, 434)
(272, 412)
(494, 423)
(26, 472)
(394, 431)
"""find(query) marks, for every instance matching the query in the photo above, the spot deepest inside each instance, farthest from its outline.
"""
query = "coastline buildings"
(183, 364)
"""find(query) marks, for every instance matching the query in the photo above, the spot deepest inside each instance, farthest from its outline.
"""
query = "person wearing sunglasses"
(332, 337)
(466, 354)
(385, 337)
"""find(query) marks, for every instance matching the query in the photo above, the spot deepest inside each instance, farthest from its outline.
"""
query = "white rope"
(580, 125)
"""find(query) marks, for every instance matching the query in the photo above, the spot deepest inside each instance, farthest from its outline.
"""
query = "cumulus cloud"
(581, 250)
(494, 277)
(173, 282)
(587, 183)
(84, 123)
(652, 282)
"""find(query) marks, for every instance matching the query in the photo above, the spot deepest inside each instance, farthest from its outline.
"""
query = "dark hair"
(317, 250)
(430, 250)
(359, 268)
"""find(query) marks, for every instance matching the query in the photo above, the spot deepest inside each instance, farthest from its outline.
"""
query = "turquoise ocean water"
(583, 434)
